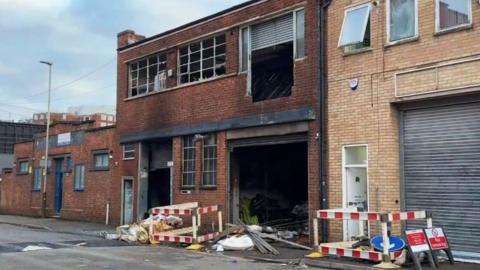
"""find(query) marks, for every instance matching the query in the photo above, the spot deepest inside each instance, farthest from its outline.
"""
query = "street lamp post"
(44, 193)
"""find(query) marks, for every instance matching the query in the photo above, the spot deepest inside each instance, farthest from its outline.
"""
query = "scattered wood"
(273, 237)
(260, 244)
(236, 229)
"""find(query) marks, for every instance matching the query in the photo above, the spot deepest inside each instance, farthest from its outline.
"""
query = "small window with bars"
(79, 179)
(188, 161)
(37, 179)
(147, 75)
(209, 161)
(202, 60)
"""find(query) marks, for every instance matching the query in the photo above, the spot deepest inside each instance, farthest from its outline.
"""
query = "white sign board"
(64, 139)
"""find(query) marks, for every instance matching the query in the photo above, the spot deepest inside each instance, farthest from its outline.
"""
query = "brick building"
(404, 112)
(220, 110)
(81, 162)
(101, 119)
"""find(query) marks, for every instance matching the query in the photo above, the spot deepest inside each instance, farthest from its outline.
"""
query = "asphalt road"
(70, 251)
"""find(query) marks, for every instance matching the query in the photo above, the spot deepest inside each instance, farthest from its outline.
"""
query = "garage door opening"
(159, 188)
(270, 184)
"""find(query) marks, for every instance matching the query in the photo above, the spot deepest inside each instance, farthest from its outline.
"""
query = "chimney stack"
(127, 37)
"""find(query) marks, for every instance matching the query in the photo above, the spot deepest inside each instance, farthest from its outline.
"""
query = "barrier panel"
(385, 256)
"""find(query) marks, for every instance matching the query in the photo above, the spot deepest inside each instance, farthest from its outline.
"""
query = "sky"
(79, 37)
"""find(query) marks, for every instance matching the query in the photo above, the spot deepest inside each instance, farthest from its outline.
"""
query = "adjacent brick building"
(403, 112)
(101, 119)
(81, 161)
(221, 109)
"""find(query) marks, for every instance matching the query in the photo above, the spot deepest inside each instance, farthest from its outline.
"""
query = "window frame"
(365, 24)
(388, 21)
(19, 167)
(215, 159)
(75, 188)
(460, 26)
(137, 61)
(94, 159)
(193, 172)
(295, 45)
(37, 172)
(202, 59)
(249, 44)
(128, 151)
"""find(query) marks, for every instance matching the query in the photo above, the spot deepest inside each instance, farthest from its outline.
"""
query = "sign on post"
(417, 243)
(437, 240)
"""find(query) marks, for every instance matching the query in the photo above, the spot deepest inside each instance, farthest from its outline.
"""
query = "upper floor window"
(402, 22)
(147, 75)
(100, 161)
(355, 34)
(23, 166)
(188, 164)
(267, 53)
(128, 151)
(452, 14)
(202, 60)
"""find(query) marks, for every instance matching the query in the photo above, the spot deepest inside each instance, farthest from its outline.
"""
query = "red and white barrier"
(411, 215)
(173, 239)
(207, 237)
(356, 254)
(341, 214)
(171, 211)
(208, 209)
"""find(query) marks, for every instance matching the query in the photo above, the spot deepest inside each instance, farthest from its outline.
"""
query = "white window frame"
(295, 57)
(137, 61)
(215, 159)
(249, 49)
(128, 151)
(415, 36)
(365, 23)
(344, 180)
(437, 18)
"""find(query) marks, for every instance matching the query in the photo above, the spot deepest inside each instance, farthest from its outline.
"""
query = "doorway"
(355, 186)
(159, 188)
(270, 182)
(59, 170)
(127, 201)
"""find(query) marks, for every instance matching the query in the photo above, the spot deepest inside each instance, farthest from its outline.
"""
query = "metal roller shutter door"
(274, 32)
(441, 163)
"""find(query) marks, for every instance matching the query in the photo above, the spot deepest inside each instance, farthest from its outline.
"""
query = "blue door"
(58, 184)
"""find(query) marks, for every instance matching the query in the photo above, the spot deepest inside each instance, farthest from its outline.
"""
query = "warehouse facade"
(404, 112)
(222, 110)
(81, 161)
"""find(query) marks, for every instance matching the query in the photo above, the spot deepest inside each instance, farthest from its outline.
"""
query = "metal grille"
(442, 170)
(274, 32)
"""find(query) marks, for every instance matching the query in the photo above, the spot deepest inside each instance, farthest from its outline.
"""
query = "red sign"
(417, 240)
(436, 238)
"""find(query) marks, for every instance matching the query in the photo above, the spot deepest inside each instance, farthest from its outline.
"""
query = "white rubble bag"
(241, 242)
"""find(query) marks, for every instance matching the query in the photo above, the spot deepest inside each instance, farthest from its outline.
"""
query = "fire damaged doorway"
(269, 183)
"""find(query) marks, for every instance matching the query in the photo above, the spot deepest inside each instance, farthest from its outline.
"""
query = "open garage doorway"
(269, 183)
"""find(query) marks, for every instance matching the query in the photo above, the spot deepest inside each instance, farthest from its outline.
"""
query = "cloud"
(78, 37)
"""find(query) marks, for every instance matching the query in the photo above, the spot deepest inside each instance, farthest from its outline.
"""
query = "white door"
(127, 217)
(355, 186)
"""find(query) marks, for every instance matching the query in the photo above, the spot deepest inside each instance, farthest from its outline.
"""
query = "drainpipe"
(322, 87)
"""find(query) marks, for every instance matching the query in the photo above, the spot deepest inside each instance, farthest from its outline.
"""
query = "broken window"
(355, 33)
(271, 62)
(188, 162)
(147, 75)
(402, 19)
(453, 13)
(209, 160)
(202, 60)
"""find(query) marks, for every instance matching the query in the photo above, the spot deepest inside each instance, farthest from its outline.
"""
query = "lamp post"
(44, 193)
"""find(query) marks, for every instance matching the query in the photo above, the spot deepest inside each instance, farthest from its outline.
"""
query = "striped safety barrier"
(347, 215)
(356, 254)
(171, 211)
(207, 237)
(173, 239)
(411, 215)
(208, 209)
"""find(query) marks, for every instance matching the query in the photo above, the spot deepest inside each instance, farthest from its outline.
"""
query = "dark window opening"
(272, 72)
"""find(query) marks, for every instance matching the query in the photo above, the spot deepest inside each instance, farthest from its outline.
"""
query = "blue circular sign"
(396, 243)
